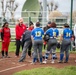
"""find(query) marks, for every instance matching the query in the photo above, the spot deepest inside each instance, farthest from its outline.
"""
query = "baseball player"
(26, 38)
(52, 42)
(37, 41)
(66, 42)
(5, 37)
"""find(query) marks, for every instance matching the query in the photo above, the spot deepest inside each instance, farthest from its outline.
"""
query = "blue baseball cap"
(49, 22)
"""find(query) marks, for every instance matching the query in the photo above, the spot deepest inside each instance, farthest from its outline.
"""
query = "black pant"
(18, 44)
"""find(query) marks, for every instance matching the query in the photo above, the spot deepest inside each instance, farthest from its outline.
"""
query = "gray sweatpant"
(51, 45)
(26, 46)
(37, 46)
(65, 47)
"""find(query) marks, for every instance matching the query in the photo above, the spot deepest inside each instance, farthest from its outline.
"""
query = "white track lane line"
(12, 68)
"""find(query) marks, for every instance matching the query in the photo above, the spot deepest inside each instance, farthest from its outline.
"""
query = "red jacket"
(0, 30)
(19, 30)
(5, 34)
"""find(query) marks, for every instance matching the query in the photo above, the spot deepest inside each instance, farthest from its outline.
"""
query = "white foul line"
(1, 59)
(12, 68)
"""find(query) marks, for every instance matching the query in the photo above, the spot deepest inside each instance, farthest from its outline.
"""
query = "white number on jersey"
(67, 34)
(38, 33)
(54, 34)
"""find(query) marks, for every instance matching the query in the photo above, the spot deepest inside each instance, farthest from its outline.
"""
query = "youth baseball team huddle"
(30, 37)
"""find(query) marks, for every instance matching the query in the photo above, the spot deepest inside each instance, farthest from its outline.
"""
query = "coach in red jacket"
(19, 29)
(5, 37)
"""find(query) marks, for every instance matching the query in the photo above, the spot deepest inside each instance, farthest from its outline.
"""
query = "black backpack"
(58, 45)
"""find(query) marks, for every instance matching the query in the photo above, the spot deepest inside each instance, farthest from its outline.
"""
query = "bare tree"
(4, 8)
(52, 4)
(12, 8)
(56, 6)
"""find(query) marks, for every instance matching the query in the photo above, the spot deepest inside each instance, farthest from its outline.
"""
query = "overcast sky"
(64, 5)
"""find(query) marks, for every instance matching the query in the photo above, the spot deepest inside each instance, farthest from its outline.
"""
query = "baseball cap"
(49, 22)
(66, 24)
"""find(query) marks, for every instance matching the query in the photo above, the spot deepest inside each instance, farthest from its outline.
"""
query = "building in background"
(34, 11)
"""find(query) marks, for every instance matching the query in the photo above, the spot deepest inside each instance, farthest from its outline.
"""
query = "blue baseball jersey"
(53, 32)
(37, 33)
(67, 33)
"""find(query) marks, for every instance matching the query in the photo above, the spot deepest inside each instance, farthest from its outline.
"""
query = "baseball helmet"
(46, 37)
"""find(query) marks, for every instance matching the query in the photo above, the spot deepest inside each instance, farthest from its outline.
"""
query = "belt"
(52, 37)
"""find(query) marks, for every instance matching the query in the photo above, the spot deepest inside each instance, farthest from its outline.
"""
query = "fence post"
(29, 19)
(71, 18)
(44, 12)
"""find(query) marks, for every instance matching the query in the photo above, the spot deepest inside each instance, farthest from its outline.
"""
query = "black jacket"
(46, 28)
(26, 36)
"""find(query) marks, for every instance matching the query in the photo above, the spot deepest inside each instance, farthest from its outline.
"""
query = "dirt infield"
(8, 66)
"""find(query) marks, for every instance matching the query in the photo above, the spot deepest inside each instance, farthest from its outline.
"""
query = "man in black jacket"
(26, 39)
(45, 29)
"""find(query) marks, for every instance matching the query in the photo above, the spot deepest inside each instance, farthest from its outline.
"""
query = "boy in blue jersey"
(37, 41)
(66, 42)
(52, 42)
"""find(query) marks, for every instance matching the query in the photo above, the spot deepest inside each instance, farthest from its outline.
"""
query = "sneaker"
(7, 56)
(65, 61)
(33, 63)
(3, 57)
(20, 61)
(60, 61)
(52, 61)
(44, 62)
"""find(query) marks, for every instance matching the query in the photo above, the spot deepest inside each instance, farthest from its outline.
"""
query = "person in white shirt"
(75, 35)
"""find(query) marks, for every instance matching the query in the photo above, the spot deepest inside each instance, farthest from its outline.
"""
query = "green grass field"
(12, 48)
(71, 70)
